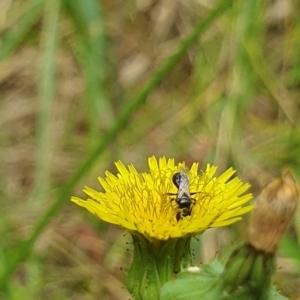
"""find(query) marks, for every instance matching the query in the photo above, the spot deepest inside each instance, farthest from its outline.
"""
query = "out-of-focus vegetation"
(86, 83)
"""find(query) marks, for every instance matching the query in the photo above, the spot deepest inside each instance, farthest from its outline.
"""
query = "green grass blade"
(12, 39)
(270, 81)
(88, 20)
(47, 94)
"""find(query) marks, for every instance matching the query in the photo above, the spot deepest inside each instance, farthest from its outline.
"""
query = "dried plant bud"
(275, 206)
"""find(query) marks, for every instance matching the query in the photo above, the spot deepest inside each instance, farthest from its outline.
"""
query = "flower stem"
(154, 263)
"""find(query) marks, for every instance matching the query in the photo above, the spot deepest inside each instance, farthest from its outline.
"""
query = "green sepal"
(237, 269)
(182, 254)
(248, 273)
(154, 263)
(143, 279)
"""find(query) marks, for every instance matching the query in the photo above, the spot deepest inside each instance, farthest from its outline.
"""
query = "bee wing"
(183, 185)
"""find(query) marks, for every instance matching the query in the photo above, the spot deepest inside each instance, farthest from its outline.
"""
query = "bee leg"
(173, 199)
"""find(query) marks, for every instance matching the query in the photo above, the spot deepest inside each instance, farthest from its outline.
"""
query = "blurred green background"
(86, 83)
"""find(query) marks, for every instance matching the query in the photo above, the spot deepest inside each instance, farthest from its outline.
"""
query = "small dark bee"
(183, 199)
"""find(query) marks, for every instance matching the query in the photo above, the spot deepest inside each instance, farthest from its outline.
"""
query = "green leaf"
(194, 286)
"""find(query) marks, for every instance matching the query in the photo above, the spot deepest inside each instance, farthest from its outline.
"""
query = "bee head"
(177, 179)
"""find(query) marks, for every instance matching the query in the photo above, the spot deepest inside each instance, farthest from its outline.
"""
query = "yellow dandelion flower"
(147, 202)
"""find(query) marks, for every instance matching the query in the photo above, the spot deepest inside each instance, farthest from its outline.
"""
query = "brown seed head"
(275, 206)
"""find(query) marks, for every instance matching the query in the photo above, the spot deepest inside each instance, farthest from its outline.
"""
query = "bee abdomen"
(184, 202)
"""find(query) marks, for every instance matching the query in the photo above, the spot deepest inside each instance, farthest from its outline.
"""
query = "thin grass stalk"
(87, 17)
(274, 87)
(11, 40)
(46, 97)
